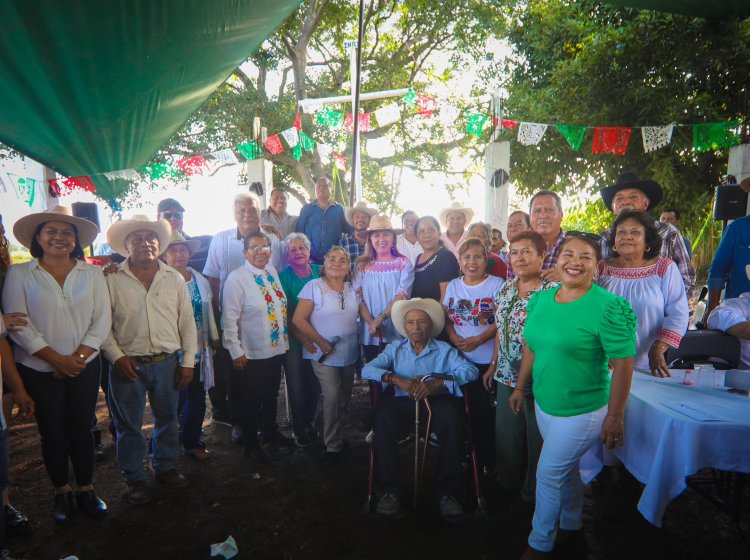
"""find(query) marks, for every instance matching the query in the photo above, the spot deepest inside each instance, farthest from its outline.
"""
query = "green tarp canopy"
(89, 86)
(708, 9)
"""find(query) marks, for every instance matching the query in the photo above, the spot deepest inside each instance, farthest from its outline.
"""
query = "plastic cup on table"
(689, 378)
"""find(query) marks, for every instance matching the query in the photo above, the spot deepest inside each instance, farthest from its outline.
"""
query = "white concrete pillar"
(496, 159)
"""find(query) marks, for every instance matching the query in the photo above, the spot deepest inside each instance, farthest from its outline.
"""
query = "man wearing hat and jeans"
(403, 364)
(454, 220)
(359, 217)
(152, 327)
(632, 193)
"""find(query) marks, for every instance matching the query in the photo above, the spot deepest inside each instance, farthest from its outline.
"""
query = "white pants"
(559, 488)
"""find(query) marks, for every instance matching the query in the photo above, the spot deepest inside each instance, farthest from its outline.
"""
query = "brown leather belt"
(153, 359)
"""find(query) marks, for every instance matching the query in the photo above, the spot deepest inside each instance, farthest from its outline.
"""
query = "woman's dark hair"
(255, 235)
(434, 222)
(537, 241)
(37, 252)
(652, 237)
(593, 241)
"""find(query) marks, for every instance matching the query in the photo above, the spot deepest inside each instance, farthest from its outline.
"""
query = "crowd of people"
(529, 329)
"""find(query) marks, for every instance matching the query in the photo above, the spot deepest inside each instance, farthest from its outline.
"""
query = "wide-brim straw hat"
(361, 206)
(24, 228)
(382, 223)
(178, 239)
(119, 231)
(429, 306)
(649, 187)
(456, 207)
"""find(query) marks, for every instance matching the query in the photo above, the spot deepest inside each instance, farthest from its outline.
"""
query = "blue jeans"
(193, 411)
(128, 402)
(304, 392)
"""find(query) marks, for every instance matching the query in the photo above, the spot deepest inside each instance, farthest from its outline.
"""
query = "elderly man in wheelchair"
(419, 368)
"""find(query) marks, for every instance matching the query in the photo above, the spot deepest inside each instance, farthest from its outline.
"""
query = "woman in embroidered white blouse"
(255, 334)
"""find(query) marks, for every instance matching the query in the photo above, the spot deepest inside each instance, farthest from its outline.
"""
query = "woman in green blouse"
(572, 333)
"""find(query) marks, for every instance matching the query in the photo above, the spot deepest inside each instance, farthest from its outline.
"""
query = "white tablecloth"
(663, 447)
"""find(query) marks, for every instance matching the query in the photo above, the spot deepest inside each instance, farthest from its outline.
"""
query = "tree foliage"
(407, 43)
(586, 63)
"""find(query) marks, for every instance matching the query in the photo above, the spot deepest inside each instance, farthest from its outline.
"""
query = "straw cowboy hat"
(24, 228)
(178, 239)
(649, 187)
(119, 231)
(361, 206)
(382, 223)
(429, 306)
(456, 207)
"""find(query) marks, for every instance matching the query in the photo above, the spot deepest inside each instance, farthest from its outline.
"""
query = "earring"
(648, 248)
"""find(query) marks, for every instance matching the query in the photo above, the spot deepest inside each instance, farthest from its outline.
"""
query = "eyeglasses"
(341, 299)
(170, 215)
(259, 249)
(590, 236)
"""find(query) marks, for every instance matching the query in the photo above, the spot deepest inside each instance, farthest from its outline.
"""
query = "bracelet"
(383, 315)
(616, 419)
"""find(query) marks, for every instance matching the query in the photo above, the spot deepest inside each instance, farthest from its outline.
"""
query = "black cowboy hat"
(650, 188)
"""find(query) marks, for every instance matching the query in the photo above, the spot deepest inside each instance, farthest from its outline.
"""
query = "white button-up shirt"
(732, 312)
(253, 315)
(153, 321)
(409, 250)
(61, 318)
(227, 253)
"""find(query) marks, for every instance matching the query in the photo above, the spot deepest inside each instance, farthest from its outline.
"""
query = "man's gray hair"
(546, 192)
(246, 197)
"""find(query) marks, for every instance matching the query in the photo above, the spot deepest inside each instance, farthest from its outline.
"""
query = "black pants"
(260, 382)
(64, 408)
(104, 384)
(394, 418)
(482, 419)
(226, 394)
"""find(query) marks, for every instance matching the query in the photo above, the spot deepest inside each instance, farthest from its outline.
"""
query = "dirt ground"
(297, 508)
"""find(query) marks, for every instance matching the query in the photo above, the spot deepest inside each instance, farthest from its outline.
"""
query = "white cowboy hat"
(24, 228)
(456, 207)
(382, 223)
(429, 306)
(361, 206)
(119, 231)
(178, 239)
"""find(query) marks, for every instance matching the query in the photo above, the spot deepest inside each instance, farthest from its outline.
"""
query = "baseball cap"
(169, 203)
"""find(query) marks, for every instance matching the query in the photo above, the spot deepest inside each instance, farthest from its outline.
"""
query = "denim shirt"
(323, 227)
(730, 260)
(437, 357)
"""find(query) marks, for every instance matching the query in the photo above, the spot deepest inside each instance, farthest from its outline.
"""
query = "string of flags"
(606, 140)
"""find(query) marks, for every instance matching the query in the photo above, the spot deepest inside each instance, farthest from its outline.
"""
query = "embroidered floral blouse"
(510, 317)
(253, 317)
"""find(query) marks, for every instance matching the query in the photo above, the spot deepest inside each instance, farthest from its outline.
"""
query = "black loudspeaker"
(87, 210)
(731, 202)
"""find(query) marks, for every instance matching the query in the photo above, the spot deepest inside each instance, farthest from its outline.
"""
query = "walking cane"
(418, 474)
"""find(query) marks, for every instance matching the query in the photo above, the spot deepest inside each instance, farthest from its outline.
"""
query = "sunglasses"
(590, 236)
(170, 215)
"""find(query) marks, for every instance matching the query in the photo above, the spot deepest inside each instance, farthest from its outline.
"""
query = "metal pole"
(355, 192)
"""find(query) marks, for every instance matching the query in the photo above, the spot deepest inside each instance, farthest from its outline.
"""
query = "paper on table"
(693, 410)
